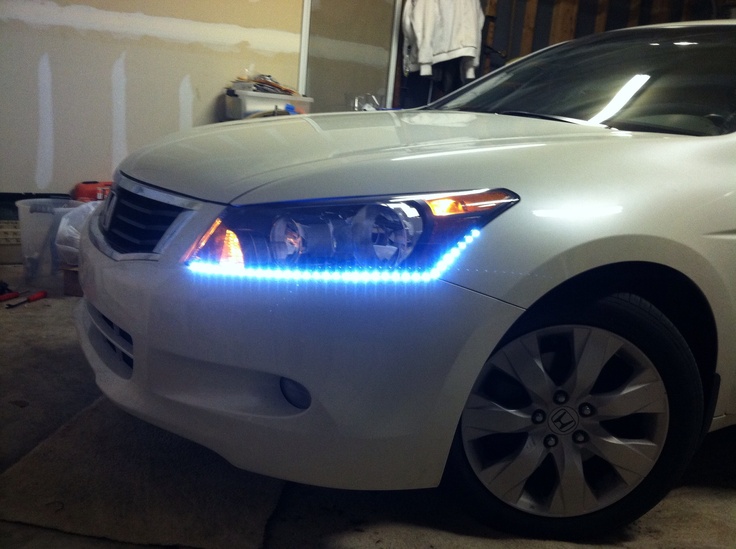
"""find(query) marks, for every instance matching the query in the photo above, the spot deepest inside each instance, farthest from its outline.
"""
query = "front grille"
(111, 336)
(136, 223)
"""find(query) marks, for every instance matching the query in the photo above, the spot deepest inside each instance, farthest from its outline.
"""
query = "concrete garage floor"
(76, 472)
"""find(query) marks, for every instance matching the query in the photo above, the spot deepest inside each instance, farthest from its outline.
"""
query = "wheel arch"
(689, 311)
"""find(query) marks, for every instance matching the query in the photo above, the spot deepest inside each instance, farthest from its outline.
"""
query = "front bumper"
(388, 367)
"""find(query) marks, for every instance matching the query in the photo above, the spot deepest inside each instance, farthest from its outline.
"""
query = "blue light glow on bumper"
(335, 275)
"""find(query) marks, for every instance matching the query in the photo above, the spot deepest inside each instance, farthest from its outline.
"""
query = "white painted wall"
(85, 82)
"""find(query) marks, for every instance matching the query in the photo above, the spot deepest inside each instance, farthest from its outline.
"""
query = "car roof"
(698, 23)
(727, 26)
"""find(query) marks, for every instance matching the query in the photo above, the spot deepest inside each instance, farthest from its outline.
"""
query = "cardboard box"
(10, 250)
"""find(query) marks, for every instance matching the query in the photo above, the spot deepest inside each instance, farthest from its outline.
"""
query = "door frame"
(393, 50)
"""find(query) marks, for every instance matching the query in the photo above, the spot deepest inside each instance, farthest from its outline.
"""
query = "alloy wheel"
(565, 420)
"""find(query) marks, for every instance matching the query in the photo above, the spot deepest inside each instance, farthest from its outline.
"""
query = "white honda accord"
(526, 291)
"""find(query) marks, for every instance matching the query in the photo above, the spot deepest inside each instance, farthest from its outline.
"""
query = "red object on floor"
(87, 191)
(21, 300)
(9, 295)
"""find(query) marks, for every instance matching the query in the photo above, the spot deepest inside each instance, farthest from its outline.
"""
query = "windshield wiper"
(554, 117)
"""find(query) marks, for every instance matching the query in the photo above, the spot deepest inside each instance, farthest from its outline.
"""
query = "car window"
(665, 80)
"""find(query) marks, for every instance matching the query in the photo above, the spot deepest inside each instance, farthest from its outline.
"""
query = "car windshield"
(673, 80)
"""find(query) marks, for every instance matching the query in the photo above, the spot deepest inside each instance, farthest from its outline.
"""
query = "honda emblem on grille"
(112, 199)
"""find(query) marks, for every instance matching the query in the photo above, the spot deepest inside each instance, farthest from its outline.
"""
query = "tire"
(580, 422)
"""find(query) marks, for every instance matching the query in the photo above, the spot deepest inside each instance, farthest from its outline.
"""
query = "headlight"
(412, 238)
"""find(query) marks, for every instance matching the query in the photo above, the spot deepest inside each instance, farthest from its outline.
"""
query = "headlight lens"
(400, 238)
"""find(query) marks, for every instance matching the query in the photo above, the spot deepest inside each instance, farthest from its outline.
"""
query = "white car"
(527, 289)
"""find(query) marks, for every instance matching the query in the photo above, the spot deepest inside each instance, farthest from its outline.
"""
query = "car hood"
(222, 162)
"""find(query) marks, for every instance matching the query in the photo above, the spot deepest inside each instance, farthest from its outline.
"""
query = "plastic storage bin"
(242, 103)
(39, 220)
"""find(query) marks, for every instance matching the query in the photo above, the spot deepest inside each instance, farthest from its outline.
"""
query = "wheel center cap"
(563, 420)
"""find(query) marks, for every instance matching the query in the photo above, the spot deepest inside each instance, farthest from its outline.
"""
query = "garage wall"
(85, 82)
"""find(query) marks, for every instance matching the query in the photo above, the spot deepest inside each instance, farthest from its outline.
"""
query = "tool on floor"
(29, 299)
(11, 295)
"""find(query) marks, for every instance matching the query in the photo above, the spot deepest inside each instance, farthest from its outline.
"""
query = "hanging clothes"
(441, 30)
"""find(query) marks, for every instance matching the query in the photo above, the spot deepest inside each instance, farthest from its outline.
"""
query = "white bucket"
(39, 221)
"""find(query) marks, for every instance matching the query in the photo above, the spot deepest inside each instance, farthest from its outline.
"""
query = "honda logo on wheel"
(563, 420)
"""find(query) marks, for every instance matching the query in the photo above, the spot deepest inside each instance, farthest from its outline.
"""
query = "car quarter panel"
(596, 212)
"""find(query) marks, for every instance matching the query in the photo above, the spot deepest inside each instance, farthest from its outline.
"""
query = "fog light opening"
(295, 393)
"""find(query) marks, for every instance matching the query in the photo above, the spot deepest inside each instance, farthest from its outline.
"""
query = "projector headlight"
(400, 238)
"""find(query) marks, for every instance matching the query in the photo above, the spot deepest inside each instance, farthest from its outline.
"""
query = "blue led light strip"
(358, 275)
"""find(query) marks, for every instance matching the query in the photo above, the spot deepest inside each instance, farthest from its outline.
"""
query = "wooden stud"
(602, 16)
(527, 35)
(564, 17)
(634, 12)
